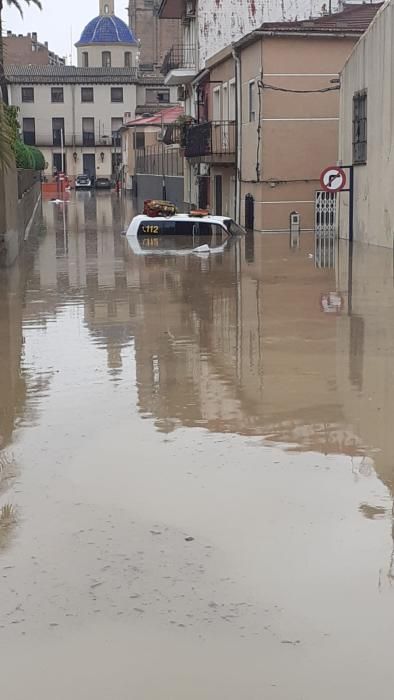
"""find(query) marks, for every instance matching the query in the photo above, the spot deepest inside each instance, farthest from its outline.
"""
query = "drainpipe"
(238, 114)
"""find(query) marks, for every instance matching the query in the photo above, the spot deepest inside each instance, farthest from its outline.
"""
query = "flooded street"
(196, 468)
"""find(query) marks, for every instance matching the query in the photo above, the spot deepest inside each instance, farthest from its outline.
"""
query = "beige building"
(144, 138)
(287, 121)
(366, 132)
(74, 114)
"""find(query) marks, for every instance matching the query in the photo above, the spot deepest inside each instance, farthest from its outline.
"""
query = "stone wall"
(17, 214)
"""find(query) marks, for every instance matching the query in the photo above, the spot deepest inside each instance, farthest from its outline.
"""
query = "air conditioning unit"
(181, 94)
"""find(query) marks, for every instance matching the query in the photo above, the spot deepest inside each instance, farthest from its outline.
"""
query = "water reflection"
(239, 342)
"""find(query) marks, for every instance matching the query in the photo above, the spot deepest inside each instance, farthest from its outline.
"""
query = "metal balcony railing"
(211, 141)
(88, 138)
(182, 56)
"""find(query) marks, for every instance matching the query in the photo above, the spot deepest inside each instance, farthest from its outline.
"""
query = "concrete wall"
(16, 216)
(299, 132)
(371, 68)
(150, 187)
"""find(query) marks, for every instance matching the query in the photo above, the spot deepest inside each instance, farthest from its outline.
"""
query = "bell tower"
(107, 7)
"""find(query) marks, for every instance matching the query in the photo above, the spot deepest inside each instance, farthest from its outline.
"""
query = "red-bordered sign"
(333, 179)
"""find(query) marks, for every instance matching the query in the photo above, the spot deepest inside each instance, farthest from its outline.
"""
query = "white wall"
(117, 55)
(371, 68)
(220, 22)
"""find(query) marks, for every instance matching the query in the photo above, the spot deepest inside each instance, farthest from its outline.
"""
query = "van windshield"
(234, 228)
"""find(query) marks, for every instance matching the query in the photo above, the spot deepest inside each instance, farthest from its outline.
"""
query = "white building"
(366, 132)
(73, 114)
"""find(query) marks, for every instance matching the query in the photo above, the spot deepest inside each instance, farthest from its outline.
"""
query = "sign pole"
(351, 203)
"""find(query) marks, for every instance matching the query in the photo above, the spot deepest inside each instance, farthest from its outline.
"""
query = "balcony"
(180, 64)
(211, 142)
(88, 139)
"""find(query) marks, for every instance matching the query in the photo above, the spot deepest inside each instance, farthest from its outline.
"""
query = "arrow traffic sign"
(333, 179)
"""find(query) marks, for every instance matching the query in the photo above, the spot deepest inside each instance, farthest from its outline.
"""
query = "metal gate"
(325, 228)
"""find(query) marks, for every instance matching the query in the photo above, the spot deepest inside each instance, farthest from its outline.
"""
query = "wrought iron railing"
(216, 138)
(159, 160)
(180, 56)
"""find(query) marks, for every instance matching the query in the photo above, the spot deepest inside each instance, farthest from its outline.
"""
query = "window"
(57, 94)
(116, 125)
(58, 131)
(88, 131)
(106, 9)
(252, 101)
(232, 102)
(29, 132)
(59, 163)
(106, 59)
(28, 94)
(87, 94)
(153, 96)
(117, 94)
(139, 140)
(216, 105)
(360, 128)
(128, 59)
(85, 59)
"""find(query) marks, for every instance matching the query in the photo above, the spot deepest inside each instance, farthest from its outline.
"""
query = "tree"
(6, 151)
(18, 5)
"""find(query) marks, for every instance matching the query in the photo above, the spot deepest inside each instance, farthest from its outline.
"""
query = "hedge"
(28, 157)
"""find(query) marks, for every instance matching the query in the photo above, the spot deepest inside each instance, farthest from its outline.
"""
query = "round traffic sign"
(333, 179)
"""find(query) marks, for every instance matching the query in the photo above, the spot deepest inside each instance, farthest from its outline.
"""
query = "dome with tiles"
(106, 29)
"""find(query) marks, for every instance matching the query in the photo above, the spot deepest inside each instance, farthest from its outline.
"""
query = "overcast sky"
(57, 20)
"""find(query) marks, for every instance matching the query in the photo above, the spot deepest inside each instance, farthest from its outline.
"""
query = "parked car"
(83, 182)
(103, 183)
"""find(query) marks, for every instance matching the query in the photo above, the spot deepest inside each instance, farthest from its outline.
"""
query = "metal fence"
(180, 56)
(211, 139)
(159, 160)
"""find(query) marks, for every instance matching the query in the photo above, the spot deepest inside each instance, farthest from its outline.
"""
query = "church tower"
(107, 7)
(156, 36)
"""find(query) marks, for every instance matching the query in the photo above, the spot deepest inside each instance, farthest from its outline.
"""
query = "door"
(218, 195)
(89, 164)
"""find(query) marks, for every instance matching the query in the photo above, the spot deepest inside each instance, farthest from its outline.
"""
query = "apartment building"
(26, 50)
(267, 118)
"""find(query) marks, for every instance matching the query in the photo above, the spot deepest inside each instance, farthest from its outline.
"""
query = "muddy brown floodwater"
(196, 468)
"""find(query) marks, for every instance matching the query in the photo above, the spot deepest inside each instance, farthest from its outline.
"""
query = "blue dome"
(106, 30)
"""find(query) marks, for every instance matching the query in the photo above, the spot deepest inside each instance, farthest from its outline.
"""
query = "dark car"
(83, 182)
(103, 183)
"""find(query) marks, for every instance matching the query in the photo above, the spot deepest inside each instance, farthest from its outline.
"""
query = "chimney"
(9, 33)
(46, 44)
(34, 36)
